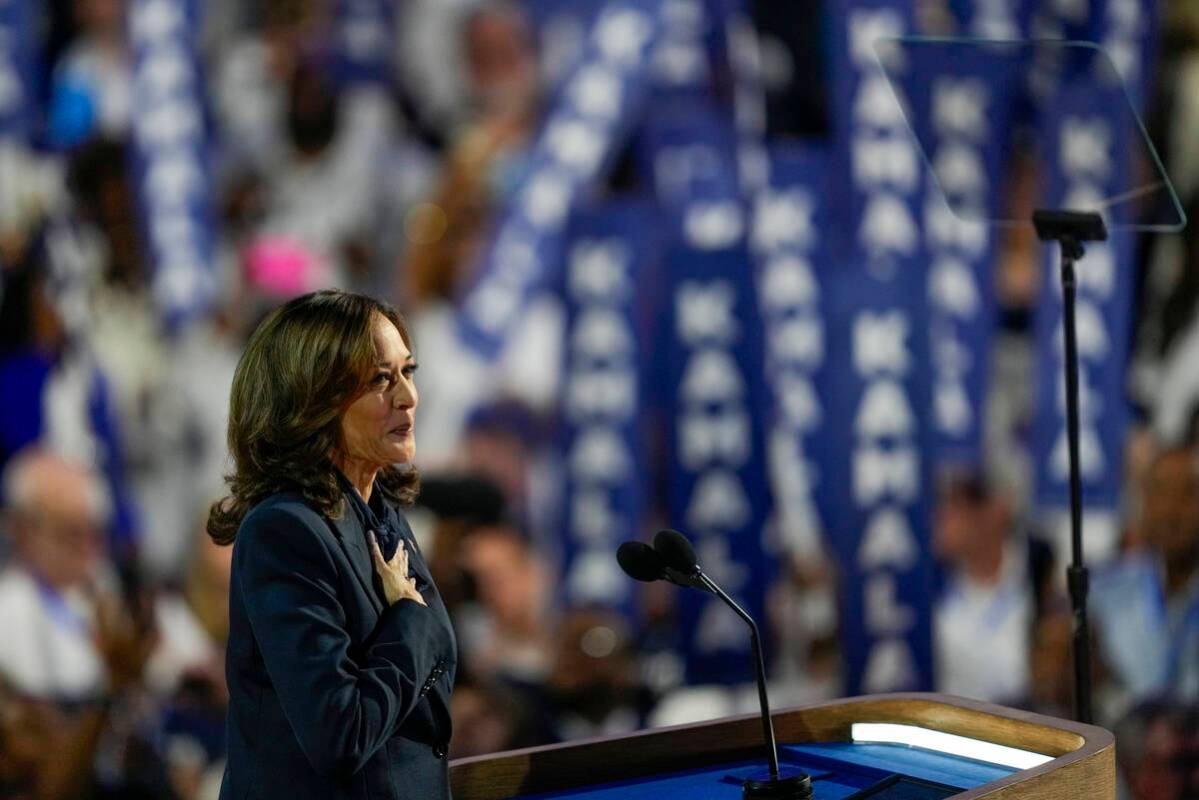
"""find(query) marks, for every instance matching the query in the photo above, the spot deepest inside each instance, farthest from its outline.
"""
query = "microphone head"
(640, 562)
(675, 551)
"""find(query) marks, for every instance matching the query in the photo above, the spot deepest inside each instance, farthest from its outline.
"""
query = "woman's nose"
(405, 395)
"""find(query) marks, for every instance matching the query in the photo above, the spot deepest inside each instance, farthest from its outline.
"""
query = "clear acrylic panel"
(1070, 84)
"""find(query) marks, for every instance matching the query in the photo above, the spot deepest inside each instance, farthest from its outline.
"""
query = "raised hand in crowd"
(125, 638)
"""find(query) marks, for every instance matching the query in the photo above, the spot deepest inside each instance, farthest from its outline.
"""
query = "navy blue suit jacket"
(332, 693)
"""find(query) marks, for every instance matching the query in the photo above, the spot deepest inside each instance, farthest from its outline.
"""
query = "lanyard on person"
(61, 616)
(58, 608)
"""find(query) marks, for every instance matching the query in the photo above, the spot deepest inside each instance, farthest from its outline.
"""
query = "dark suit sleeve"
(341, 709)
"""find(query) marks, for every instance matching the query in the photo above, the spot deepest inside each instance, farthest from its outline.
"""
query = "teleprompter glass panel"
(1066, 97)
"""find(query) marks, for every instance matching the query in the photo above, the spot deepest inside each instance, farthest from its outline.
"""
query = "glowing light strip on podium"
(952, 744)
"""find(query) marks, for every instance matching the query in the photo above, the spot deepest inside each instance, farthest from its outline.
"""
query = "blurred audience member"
(483, 721)
(70, 642)
(1157, 752)
(489, 717)
(983, 621)
(453, 507)
(56, 512)
(804, 632)
(317, 198)
(186, 673)
(508, 635)
(499, 444)
(73, 647)
(55, 391)
(1169, 383)
(1051, 668)
(1146, 605)
(251, 76)
(336, 169)
(92, 87)
(446, 235)
(486, 162)
(206, 587)
(31, 189)
(169, 392)
(190, 404)
(593, 685)
(46, 754)
(105, 212)
(114, 321)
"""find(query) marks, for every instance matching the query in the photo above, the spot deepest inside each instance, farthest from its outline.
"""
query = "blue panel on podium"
(838, 770)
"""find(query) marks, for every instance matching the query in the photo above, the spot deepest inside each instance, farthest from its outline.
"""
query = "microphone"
(640, 562)
(643, 563)
(677, 555)
(676, 551)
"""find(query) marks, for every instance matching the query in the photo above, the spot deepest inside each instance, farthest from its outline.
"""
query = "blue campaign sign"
(963, 118)
(988, 19)
(1125, 29)
(717, 491)
(366, 40)
(876, 477)
(707, 381)
(608, 253)
(1087, 146)
(877, 437)
(171, 159)
(17, 56)
(588, 118)
(788, 222)
(875, 158)
(689, 147)
(1085, 154)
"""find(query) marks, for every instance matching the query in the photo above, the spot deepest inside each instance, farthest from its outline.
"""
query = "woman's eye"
(409, 370)
(383, 378)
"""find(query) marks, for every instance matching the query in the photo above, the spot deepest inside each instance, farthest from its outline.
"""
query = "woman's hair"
(302, 368)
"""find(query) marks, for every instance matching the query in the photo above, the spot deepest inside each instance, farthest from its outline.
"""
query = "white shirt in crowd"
(982, 633)
(49, 647)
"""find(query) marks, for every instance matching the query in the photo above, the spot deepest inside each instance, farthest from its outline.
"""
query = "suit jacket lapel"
(353, 542)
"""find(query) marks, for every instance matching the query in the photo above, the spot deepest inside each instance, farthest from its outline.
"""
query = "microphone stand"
(759, 666)
(1070, 229)
(673, 558)
(775, 787)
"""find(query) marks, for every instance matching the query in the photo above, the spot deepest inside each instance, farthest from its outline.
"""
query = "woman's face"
(377, 428)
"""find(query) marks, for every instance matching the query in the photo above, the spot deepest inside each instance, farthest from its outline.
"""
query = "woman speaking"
(341, 656)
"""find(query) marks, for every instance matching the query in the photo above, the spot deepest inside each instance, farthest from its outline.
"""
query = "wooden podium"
(1081, 757)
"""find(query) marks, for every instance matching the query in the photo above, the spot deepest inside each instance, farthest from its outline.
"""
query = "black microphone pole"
(759, 666)
(1070, 229)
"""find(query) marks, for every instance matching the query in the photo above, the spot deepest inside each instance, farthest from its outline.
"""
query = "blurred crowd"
(113, 601)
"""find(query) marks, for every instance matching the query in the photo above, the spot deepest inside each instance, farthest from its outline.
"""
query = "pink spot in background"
(280, 267)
